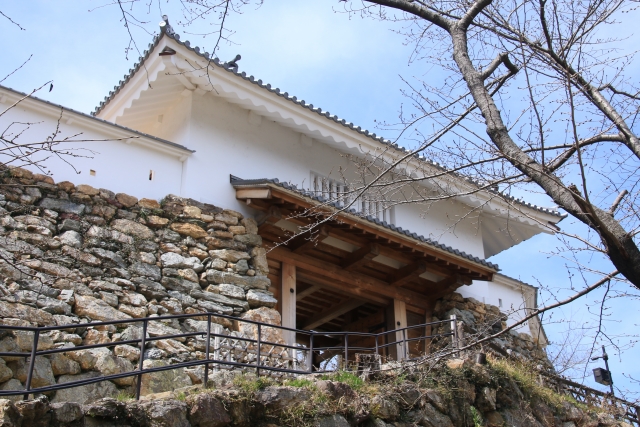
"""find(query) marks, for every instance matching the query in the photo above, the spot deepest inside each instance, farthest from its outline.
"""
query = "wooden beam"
(310, 290)
(288, 295)
(367, 227)
(360, 256)
(349, 279)
(253, 193)
(331, 313)
(271, 216)
(315, 279)
(308, 240)
(363, 325)
(407, 273)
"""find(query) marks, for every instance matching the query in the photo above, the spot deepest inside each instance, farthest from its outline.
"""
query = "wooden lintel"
(317, 280)
(253, 193)
(331, 313)
(407, 273)
(360, 256)
(348, 278)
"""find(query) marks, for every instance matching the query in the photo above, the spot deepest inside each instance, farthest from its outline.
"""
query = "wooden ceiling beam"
(364, 227)
(270, 216)
(310, 290)
(360, 256)
(340, 288)
(331, 313)
(407, 273)
(308, 240)
(349, 279)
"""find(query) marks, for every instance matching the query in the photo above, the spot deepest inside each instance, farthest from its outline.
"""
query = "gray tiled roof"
(92, 117)
(238, 182)
(168, 31)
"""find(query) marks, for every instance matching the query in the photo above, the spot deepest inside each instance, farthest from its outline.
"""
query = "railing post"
(258, 352)
(310, 362)
(346, 352)
(32, 361)
(208, 348)
(460, 333)
(377, 348)
(405, 350)
(143, 343)
(454, 331)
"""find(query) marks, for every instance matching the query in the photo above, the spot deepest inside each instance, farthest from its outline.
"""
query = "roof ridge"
(167, 30)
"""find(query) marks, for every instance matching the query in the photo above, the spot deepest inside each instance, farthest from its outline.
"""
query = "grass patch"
(477, 417)
(250, 384)
(350, 379)
(526, 378)
(124, 396)
(299, 382)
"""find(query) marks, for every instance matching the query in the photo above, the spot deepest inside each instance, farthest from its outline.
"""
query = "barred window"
(338, 192)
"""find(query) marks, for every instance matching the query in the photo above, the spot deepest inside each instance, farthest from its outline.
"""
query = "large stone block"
(162, 381)
(9, 414)
(229, 255)
(264, 315)
(35, 412)
(24, 312)
(65, 413)
(133, 228)
(260, 299)
(42, 372)
(280, 398)
(165, 413)
(97, 309)
(146, 270)
(207, 411)
(85, 393)
(60, 205)
(188, 229)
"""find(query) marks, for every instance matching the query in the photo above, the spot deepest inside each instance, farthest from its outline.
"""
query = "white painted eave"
(111, 131)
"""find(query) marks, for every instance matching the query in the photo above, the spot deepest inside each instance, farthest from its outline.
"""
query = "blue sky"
(347, 65)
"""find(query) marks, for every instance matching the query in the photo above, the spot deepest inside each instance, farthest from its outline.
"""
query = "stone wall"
(458, 393)
(72, 255)
(76, 254)
(481, 320)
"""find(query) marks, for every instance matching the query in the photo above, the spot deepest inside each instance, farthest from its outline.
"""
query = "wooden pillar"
(397, 318)
(428, 330)
(288, 301)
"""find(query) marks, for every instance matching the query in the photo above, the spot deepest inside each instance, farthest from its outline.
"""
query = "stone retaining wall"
(481, 320)
(76, 254)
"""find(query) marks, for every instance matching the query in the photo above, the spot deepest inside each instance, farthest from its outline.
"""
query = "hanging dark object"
(601, 375)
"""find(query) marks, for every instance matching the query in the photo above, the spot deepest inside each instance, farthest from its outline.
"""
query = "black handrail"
(142, 342)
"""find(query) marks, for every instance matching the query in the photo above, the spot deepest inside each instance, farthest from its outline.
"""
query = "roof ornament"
(165, 27)
(233, 64)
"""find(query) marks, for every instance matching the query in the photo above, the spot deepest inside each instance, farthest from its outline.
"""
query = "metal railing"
(257, 353)
(591, 397)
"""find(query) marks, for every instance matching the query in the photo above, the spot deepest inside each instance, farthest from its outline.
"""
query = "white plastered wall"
(228, 141)
(119, 166)
(512, 297)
